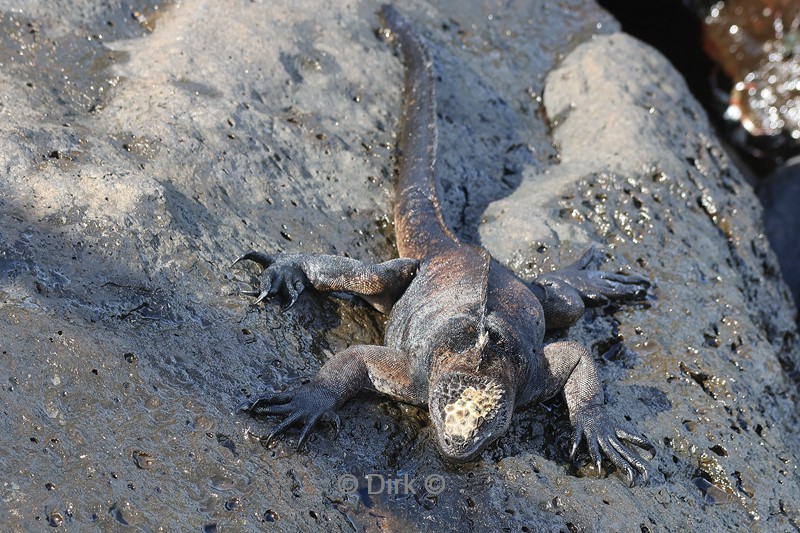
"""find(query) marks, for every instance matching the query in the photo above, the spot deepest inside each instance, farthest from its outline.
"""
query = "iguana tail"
(419, 225)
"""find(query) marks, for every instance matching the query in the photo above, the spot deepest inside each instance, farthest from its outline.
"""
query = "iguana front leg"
(572, 367)
(340, 378)
(380, 285)
(565, 293)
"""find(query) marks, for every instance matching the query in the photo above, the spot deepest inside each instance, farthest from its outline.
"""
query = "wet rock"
(125, 513)
(227, 127)
(143, 459)
(55, 519)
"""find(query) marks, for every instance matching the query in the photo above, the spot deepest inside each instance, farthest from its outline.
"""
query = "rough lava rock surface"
(143, 150)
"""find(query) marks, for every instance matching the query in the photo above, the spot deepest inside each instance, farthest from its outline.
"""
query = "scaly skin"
(464, 335)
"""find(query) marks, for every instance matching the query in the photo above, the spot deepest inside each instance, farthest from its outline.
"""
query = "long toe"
(636, 279)
(616, 459)
(261, 297)
(273, 398)
(307, 428)
(577, 434)
(271, 410)
(594, 451)
(632, 458)
(260, 258)
(591, 257)
(641, 442)
(291, 295)
(573, 450)
(280, 428)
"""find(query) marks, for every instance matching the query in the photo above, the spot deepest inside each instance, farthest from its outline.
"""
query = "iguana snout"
(469, 412)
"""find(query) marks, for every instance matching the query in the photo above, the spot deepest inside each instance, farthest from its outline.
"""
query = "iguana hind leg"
(565, 293)
(289, 274)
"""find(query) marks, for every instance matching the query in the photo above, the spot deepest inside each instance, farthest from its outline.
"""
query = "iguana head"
(469, 411)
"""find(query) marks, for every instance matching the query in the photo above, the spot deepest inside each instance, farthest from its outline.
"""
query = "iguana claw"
(282, 273)
(602, 435)
(310, 403)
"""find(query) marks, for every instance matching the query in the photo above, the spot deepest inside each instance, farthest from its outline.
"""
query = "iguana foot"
(602, 434)
(282, 274)
(308, 404)
(596, 287)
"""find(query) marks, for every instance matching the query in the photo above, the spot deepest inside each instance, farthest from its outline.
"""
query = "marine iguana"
(465, 336)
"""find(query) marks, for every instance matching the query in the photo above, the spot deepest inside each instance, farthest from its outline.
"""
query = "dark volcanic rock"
(780, 195)
(143, 151)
